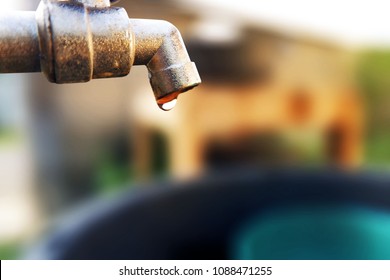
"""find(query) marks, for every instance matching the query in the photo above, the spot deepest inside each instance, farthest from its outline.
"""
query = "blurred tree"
(374, 79)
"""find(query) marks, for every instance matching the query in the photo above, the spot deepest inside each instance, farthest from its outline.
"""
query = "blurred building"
(262, 87)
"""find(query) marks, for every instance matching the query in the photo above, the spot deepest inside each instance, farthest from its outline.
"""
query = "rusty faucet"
(75, 41)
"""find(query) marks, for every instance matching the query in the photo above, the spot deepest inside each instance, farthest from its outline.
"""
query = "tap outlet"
(159, 46)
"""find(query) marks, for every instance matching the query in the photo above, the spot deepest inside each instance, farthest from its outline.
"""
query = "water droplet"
(168, 105)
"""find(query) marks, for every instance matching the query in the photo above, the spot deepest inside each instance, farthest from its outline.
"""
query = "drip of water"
(168, 105)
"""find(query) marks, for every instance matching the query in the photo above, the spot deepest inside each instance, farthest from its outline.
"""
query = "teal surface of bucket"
(329, 232)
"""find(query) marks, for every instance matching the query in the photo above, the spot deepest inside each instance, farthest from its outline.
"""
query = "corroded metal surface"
(79, 40)
(19, 47)
(66, 40)
(113, 43)
(95, 3)
(159, 46)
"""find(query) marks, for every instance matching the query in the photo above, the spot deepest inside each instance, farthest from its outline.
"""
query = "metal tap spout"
(159, 45)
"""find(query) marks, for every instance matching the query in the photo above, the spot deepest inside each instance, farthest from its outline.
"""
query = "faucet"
(73, 41)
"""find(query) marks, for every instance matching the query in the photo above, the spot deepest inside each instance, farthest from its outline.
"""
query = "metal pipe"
(95, 3)
(78, 40)
(19, 47)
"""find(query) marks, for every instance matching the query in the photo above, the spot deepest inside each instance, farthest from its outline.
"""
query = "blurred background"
(285, 83)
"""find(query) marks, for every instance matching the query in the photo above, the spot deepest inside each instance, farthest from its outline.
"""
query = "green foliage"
(112, 174)
(113, 170)
(9, 251)
(8, 137)
(374, 80)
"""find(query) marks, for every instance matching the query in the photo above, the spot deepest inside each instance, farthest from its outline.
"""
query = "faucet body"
(78, 40)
